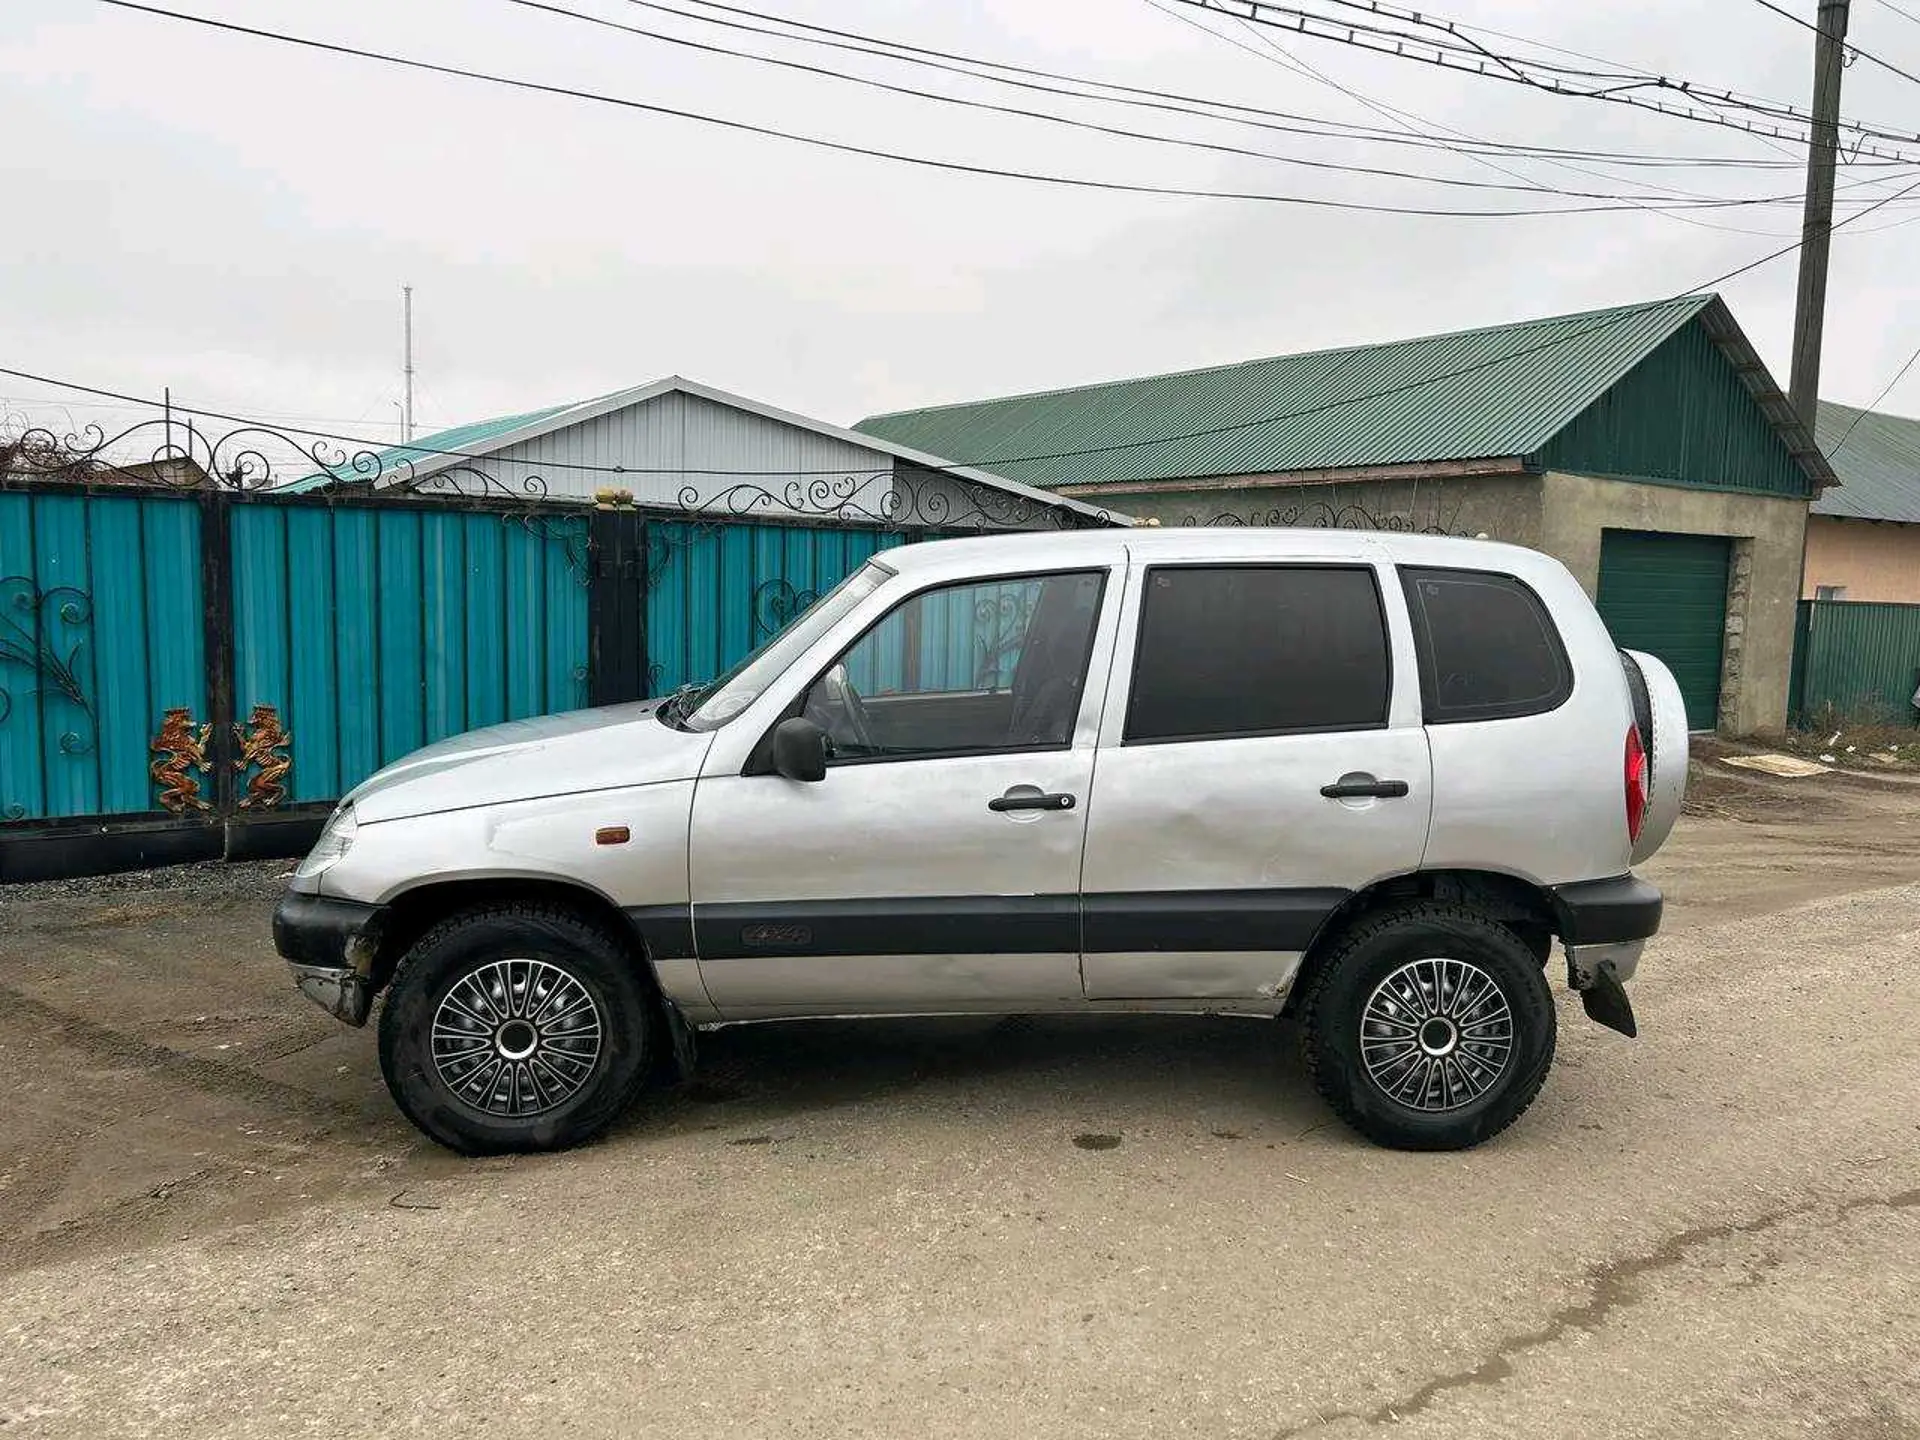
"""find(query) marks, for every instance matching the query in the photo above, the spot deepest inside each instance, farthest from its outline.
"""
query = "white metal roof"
(546, 423)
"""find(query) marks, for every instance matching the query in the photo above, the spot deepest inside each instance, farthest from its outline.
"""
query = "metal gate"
(1666, 594)
(192, 676)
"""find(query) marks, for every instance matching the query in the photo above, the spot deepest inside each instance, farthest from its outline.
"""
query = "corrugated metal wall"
(100, 634)
(1857, 660)
(374, 631)
(968, 637)
(362, 631)
(1682, 417)
(718, 592)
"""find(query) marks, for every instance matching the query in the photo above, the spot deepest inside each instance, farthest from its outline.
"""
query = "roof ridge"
(1696, 300)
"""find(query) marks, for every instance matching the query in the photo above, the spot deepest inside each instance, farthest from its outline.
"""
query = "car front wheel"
(1429, 1028)
(516, 1028)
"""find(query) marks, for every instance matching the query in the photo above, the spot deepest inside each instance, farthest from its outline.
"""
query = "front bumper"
(330, 945)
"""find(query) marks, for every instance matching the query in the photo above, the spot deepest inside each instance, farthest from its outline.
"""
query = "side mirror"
(799, 749)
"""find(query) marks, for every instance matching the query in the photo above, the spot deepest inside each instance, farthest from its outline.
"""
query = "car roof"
(1008, 554)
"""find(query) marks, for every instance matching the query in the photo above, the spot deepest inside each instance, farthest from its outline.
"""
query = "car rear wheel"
(517, 1028)
(1429, 1028)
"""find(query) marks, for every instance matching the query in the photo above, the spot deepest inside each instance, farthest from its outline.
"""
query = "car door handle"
(1353, 789)
(1031, 801)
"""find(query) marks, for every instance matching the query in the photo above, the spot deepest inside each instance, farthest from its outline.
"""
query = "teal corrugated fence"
(100, 636)
(203, 657)
(371, 631)
(716, 593)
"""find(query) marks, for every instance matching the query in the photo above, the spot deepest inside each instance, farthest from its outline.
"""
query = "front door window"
(969, 669)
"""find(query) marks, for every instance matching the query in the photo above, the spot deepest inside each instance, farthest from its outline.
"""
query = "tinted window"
(1488, 648)
(994, 665)
(1250, 650)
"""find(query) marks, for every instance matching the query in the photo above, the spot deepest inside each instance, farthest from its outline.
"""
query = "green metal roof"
(1473, 394)
(1878, 465)
(395, 463)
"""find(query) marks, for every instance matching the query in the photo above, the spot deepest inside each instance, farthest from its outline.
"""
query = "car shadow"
(1207, 1065)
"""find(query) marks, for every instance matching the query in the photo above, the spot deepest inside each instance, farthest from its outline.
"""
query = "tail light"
(1636, 768)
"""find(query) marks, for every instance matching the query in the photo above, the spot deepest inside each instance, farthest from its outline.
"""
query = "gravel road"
(213, 1223)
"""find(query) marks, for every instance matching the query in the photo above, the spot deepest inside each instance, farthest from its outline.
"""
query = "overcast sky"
(234, 218)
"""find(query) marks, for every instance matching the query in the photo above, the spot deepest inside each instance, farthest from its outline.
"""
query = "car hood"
(601, 749)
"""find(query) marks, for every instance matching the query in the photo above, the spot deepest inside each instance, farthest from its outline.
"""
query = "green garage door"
(1667, 595)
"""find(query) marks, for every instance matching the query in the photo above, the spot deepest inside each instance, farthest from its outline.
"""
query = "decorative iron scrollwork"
(569, 532)
(663, 544)
(178, 454)
(918, 500)
(29, 617)
(1325, 515)
(999, 633)
(776, 605)
(178, 751)
(261, 742)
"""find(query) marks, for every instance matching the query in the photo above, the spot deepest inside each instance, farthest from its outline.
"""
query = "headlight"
(333, 843)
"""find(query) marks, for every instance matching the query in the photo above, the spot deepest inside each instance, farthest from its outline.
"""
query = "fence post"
(1797, 674)
(616, 606)
(216, 599)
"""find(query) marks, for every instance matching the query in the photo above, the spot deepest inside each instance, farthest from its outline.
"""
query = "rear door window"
(1488, 648)
(1233, 650)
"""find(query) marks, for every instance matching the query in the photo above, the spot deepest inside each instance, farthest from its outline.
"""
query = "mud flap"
(1605, 999)
(680, 1033)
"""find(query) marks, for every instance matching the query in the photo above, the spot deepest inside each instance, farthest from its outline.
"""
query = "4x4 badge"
(782, 936)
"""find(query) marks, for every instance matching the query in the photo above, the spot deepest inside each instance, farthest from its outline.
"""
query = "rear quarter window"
(1488, 648)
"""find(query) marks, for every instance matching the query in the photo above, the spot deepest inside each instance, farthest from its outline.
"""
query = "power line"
(1903, 13)
(1389, 111)
(1275, 52)
(1885, 390)
(987, 462)
(1688, 199)
(871, 152)
(1405, 46)
(1170, 101)
(1848, 46)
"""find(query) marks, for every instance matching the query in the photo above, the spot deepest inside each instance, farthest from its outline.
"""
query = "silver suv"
(1361, 780)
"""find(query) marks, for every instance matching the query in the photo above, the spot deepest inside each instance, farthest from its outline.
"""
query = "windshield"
(713, 705)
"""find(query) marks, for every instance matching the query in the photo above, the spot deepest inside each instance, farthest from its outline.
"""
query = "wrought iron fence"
(1329, 515)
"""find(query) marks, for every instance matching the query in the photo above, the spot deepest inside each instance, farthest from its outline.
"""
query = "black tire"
(1336, 1007)
(547, 943)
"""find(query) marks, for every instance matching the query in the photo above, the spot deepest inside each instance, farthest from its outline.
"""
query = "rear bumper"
(1606, 924)
(1606, 912)
(330, 945)
(1587, 965)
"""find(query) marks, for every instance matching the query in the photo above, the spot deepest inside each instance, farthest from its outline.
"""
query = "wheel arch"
(1518, 904)
(414, 911)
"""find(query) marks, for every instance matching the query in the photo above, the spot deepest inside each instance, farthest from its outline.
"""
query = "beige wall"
(1874, 559)
(1501, 507)
(1761, 592)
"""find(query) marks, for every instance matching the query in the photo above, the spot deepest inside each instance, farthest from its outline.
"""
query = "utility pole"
(406, 296)
(1816, 226)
